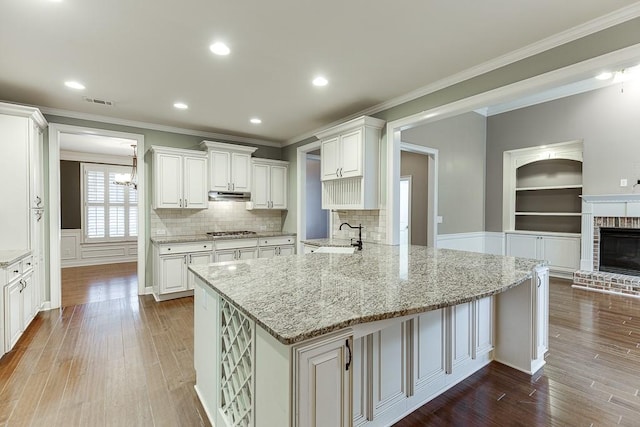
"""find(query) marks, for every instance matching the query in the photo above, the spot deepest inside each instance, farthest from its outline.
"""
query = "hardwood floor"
(591, 377)
(129, 362)
(94, 283)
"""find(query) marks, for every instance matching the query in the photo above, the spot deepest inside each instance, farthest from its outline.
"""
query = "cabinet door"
(267, 252)
(324, 386)
(523, 245)
(219, 170)
(248, 253)
(278, 187)
(329, 158)
(168, 180)
(563, 253)
(13, 313)
(461, 338)
(389, 373)
(226, 255)
(241, 172)
(542, 312)
(351, 154)
(429, 361)
(195, 183)
(197, 259)
(27, 301)
(260, 191)
(287, 250)
(483, 328)
(173, 277)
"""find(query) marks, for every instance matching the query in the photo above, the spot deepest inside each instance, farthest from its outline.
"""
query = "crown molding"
(603, 22)
(23, 111)
(155, 126)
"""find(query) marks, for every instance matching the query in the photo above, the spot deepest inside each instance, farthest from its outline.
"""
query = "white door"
(173, 273)
(267, 252)
(197, 259)
(240, 172)
(522, 245)
(278, 187)
(329, 158)
(360, 381)
(195, 183)
(248, 253)
(286, 250)
(562, 253)
(226, 255)
(260, 190)
(27, 301)
(168, 177)
(13, 316)
(351, 154)
(324, 386)
(405, 210)
(219, 170)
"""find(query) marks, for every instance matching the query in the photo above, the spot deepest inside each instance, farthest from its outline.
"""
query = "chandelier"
(129, 179)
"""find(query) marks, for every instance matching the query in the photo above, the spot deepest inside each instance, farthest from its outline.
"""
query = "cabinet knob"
(16, 271)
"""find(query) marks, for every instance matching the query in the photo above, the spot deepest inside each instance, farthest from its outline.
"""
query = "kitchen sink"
(334, 250)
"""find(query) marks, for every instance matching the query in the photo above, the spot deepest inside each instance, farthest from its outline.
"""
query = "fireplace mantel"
(611, 198)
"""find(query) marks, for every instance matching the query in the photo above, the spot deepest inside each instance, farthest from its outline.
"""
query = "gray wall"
(70, 200)
(461, 154)
(591, 46)
(608, 122)
(317, 218)
(417, 166)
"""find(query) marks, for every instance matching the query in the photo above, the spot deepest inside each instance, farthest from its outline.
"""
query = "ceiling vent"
(98, 101)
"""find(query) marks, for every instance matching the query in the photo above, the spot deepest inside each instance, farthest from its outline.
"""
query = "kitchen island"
(359, 339)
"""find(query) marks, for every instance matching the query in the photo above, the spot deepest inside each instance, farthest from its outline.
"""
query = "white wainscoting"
(74, 253)
(480, 241)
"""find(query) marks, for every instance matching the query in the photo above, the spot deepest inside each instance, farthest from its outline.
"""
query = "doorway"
(405, 210)
(57, 134)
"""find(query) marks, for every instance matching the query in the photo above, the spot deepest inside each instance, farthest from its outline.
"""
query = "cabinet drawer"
(236, 243)
(14, 271)
(182, 248)
(27, 264)
(277, 241)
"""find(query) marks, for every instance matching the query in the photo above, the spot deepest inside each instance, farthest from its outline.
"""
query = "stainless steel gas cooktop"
(231, 233)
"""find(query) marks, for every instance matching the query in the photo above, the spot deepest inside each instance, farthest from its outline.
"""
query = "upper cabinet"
(350, 163)
(230, 166)
(269, 187)
(179, 178)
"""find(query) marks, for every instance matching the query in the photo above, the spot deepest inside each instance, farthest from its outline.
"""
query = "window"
(110, 210)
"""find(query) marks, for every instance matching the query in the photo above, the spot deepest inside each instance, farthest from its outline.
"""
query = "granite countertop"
(8, 257)
(329, 242)
(161, 240)
(299, 297)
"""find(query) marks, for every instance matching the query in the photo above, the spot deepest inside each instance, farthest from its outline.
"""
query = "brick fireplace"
(613, 212)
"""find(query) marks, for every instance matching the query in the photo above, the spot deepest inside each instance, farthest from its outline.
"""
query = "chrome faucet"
(358, 243)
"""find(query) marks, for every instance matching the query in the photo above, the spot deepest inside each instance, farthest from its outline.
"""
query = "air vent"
(98, 101)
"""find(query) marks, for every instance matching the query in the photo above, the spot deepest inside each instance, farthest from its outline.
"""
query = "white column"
(586, 252)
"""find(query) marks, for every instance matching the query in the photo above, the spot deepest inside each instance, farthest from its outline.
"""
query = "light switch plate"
(439, 219)
(623, 182)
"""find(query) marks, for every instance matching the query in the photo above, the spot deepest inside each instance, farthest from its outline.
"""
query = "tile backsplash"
(373, 225)
(221, 216)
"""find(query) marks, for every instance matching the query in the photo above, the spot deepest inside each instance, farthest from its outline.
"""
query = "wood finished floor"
(129, 362)
(95, 283)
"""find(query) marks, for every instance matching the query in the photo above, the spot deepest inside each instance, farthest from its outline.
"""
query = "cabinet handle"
(233, 187)
(38, 201)
(16, 271)
(190, 260)
(539, 281)
(340, 172)
(180, 202)
(346, 368)
(184, 260)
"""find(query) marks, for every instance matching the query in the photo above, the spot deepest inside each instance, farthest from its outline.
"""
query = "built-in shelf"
(548, 214)
(549, 187)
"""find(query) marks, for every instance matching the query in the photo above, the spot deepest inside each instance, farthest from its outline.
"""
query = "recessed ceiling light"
(180, 105)
(320, 81)
(255, 121)
(220, 48)
(604, 76)
(74, 85)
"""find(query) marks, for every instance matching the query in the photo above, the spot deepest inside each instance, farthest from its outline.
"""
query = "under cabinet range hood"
(225, 196)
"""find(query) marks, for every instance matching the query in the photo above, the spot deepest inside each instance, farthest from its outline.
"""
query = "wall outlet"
(439, 219)
(623, 182)
(161, 232)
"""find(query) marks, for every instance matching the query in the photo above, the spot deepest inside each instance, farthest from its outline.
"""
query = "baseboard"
(148, 290)
(97, 261)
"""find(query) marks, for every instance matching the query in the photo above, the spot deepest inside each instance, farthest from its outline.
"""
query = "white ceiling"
(145, 55)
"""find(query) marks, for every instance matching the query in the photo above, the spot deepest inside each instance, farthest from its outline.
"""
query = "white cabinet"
(483, 323)
(323, 388)
(561, 251)
(428, 351)
(20, 300)
(270, 180)
(349, 159)
(229, 166)
(276, 246)
(389, 369)
(542, 312)
(179, 178)
(236, 249)
(172, 278)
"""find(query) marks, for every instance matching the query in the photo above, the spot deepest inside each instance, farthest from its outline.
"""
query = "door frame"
(301, 195)
(55, 223)
(409, 179)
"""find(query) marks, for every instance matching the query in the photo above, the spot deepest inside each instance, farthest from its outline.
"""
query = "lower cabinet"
(277, 246)
(562, 251)
(172, 278)
(20, 302)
